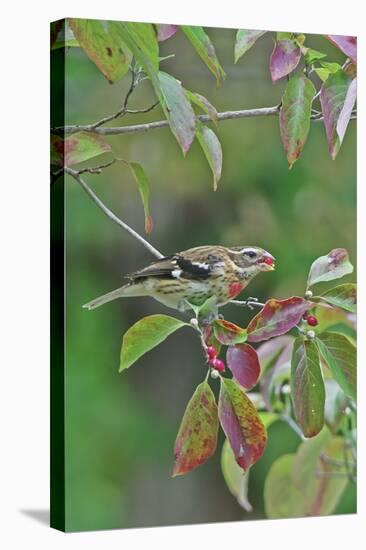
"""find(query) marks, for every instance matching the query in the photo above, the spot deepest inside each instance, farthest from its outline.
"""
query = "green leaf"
(207, 309)
(343, 296)
(228, 333)
(205, 49)
(141, 39)
(145, 335)
(340, 356)
(313, 55)
(212, 149)
(203, 103)
(77, 148)
(334, 265)
(295, 115)
(241, 423)
(197, 437)
(281, 498)
(177, 109)
(235, 479)
(336, 402)
(307, 387)
(143, 185)
(313, 469)
(322, 73)
(103, 43)
(304, 484)
(244, 41)
(330, 67)
(332, 97)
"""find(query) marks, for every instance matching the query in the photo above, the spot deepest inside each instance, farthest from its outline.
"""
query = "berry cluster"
(213, 360)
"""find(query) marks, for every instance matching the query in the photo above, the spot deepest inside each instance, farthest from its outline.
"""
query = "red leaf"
(243, 362)
(228, 333)
(197, 437)
(276, 318)
(333, 97)
(284, 58)
(347, 44)
(165, 31)
(241, 423)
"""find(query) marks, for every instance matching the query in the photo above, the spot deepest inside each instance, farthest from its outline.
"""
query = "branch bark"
(75, 174)
(134, 128)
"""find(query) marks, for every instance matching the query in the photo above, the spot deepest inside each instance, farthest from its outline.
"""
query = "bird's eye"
(250, 254)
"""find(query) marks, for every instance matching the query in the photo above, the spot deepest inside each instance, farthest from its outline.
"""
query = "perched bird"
(194, 275)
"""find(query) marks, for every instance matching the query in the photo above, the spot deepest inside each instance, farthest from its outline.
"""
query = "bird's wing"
(180, 266)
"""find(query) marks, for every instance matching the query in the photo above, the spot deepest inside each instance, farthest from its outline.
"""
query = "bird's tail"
(122, 292)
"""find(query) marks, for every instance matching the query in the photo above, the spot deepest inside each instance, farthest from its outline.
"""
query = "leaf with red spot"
(103, 43)
(77, 148)
(284, 59)
(334, 265)
(241, 423)
(243, 362)
(228, 333)
(347, 44)
(165, 31)
(197, 437)
(295, 115)
(337, 98)
(307, 387)
(276, 318)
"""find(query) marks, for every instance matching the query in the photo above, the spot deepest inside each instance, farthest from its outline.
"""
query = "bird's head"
(252, 259)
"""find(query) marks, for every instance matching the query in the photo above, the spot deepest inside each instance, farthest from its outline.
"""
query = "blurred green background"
(120, 428)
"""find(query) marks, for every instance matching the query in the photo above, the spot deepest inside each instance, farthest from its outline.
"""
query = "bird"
(193, 276)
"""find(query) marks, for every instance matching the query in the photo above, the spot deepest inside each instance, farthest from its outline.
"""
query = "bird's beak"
(268, 262)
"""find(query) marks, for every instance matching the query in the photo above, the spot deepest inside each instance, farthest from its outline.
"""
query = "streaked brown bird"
(195, 275)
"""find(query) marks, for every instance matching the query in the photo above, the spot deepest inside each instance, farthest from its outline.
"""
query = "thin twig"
(75, 174)
(250, 303)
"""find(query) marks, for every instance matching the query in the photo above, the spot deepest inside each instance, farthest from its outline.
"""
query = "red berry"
(217, 364)
(312, 321)
(306, 315)
(211, 352)
(268, 260)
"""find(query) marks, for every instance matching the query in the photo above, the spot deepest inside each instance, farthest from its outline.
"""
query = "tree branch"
(76, 175)
(96, 127)
(227, 115)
